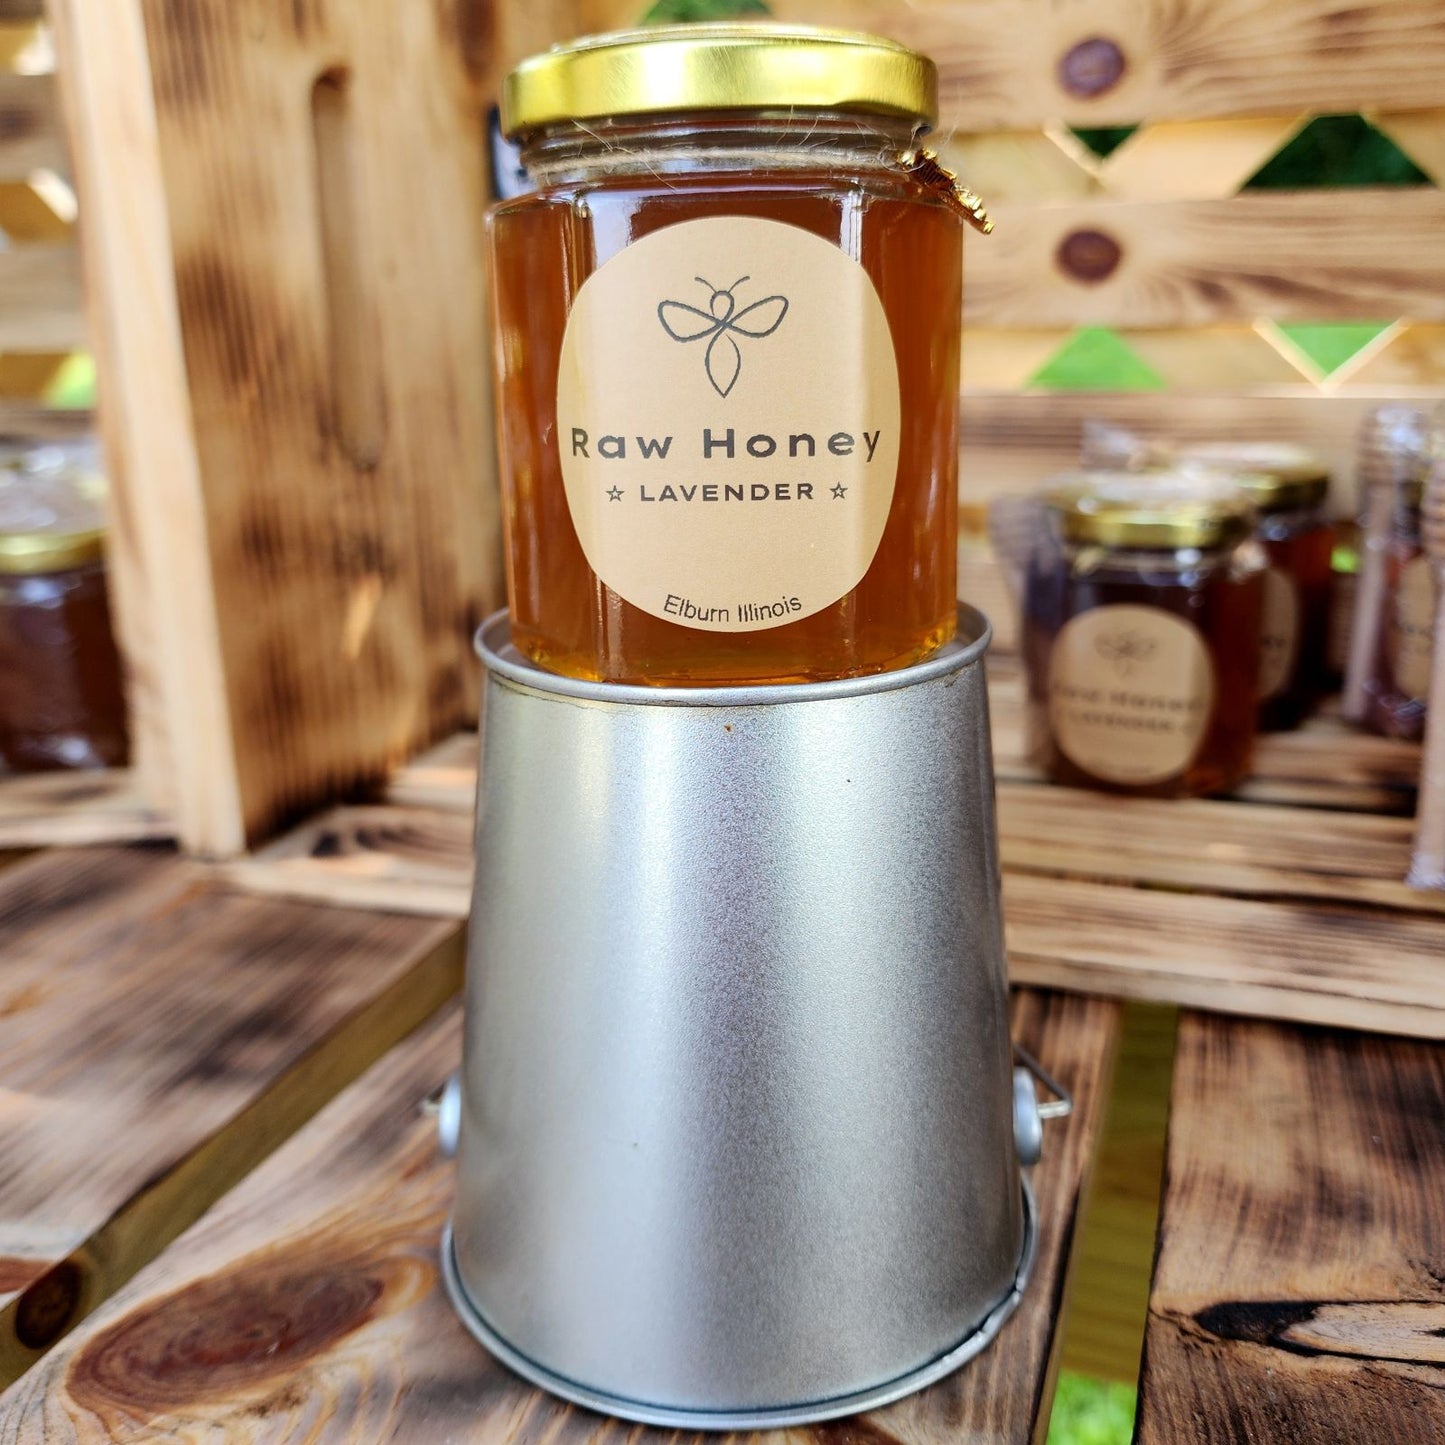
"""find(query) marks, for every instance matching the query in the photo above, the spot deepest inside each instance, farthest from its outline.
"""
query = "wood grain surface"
(1013, 442)
(40, 308)
(304, 372)
(306, 1305)
(1349, 967)
(39, 810)
(1299, 1293)
(1316, 255)
(158, 1037)
(30, 130)
(1014, 64)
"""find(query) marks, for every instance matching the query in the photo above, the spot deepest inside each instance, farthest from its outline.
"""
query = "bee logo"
(1127, 651)
(720, 323)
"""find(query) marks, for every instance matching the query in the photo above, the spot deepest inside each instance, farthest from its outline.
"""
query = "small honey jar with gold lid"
(1288, 486)
(727, 318)
(1142, 633)
(62, 703)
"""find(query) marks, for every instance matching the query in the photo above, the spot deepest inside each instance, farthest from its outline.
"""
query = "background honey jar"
(1288, 487)
(1142, 634)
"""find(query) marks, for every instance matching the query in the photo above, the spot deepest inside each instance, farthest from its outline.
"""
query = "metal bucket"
(737, 1139)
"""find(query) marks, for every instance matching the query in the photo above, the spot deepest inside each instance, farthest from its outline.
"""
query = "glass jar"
(61, 699)
(1288, 487)
(727, 339)
(1399, 687)
(1141, 634)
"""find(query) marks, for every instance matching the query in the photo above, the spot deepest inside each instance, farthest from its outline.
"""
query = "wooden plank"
(308, 1297)
(1015, 64)
(1308, 962)
(1212, 845)
(1300, 1286)
(40, 302)
(162, 591)
(41, 810)
(158, 1037)
(25, 422)
(412, 859)
(1194, 159)
(30, 131)
(1291, 256)
(1013, 443)
(329, 435)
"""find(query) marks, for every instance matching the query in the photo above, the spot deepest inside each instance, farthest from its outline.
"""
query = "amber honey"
(760, 421)
(1141, 636)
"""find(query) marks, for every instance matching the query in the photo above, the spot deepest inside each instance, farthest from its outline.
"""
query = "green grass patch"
(1091, 1412)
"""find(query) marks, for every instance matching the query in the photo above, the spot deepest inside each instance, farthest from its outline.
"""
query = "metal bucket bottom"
(809, 1413)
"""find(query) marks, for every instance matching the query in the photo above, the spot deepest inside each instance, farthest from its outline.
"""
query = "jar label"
(1279, 633)
(728, 418)
(1412, 637)
(1131, 692)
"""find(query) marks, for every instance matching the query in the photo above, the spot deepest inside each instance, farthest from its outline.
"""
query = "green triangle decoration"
(1337, 150)
(1330, 344)
(1103, 140)
(1096, 359)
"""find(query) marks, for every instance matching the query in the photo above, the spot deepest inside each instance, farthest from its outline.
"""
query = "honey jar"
(1288, 488)
(727, 337)
(61, 699)
(1399, 687)
(1141, 634)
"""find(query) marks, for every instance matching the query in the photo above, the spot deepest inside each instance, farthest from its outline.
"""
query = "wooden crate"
(283, 258)
(286, 298)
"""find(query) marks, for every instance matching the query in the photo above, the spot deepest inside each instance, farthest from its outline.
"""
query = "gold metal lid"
(1278, 476)
(1166, 509)
(28, 553)
(719, 67)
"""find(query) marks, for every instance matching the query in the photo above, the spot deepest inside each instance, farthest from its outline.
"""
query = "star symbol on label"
(615, 493)
(840, 490)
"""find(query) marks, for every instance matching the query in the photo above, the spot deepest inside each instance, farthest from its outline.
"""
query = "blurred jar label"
(1131, 692)
(1412, 633)
(728, 419)
(1279, 633)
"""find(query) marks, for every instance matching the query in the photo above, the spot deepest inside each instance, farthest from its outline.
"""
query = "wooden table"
(220, 1194)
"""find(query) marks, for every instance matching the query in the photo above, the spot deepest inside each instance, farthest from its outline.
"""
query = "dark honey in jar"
(1141, 634)
(1288, 488)
(727, 340)
(61, 699)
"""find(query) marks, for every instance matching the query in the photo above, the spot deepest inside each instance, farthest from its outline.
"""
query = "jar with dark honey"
(61, 699)
(1142, 634)
(727, 340)
(1288, 488)
(1399, 686)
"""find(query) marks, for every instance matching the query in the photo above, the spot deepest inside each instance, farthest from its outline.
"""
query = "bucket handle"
(1029, 1111)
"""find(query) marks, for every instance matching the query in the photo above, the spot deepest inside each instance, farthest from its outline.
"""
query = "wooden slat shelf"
(1299, 1292)
(1295, 909)
(1304, 256)
(320, 1269)
(158, 1037)
(42, 810)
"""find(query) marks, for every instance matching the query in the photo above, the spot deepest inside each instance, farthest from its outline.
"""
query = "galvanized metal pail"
(737, 1132)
